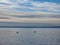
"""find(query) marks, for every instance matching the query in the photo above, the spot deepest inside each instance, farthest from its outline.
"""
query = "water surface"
(29, 36)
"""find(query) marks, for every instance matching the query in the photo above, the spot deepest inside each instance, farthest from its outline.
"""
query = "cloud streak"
(4, 18)
(29, 18)
(30, 11)
(30, 5)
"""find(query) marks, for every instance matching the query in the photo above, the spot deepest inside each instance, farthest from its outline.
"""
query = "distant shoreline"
(29, 26)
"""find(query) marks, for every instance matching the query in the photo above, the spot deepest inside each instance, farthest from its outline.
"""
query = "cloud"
(30, 5)
(28, 17)
(4, 18)
(4, 1)
(30, 11)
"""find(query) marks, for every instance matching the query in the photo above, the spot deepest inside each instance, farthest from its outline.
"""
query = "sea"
(29, 36)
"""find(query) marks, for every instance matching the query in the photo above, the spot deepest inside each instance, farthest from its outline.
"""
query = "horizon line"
(29, 26)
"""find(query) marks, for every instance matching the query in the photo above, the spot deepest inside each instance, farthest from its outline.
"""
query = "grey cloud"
(32, 15)
(28, 16)
(4, 18)
(36, 16)
(53, 16)
(3, 3)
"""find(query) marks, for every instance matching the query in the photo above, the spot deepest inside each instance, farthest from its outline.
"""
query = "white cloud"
(47, 6)
(39, 17)
(36, 6)
(4, 1)
(47, 10)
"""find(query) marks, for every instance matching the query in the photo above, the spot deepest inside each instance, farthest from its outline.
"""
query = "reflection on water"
(29, 36)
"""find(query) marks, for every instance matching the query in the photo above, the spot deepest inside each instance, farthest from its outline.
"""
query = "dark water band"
(29, 26)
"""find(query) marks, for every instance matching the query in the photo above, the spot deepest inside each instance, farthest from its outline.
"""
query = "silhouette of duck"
(34, 31)
(17, 32)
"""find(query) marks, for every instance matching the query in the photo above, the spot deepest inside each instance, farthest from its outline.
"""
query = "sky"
(31, 5)
(30, 11)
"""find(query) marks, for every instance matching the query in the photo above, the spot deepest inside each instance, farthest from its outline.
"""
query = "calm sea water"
(29, 36)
